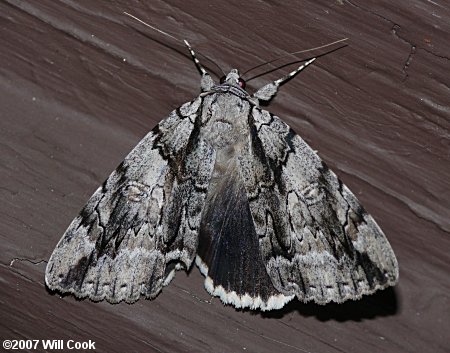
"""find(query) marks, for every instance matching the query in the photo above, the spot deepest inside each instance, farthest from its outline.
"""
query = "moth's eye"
(241, 83)
(222, 79)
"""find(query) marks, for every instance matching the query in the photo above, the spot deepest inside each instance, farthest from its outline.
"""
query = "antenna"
(296, 52)
(176, 39)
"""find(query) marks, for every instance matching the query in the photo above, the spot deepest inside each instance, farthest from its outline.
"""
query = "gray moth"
(228, 185)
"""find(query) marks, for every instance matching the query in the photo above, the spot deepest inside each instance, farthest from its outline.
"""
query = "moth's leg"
(267, 92)
(206, 83)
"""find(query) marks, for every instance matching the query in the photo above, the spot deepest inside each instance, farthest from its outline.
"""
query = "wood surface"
(81, 84)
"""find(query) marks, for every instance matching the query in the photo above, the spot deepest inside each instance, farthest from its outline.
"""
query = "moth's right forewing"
(138, 221)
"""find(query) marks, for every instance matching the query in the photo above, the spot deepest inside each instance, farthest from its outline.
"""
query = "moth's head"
(233, 78)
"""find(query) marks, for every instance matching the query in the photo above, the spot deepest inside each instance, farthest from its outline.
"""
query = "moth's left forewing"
(315, 238)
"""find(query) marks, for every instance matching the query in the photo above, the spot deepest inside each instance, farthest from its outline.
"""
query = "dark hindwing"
(315, 238)
(228, 254)
(143, 222)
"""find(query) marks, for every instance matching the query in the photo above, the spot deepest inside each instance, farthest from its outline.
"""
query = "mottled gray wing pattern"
(316, 240)
(143, 222)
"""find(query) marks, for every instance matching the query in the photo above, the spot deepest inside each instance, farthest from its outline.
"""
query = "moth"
(228, 184)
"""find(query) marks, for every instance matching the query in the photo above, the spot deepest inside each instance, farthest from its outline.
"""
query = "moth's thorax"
(224, 116)
(233, 89)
